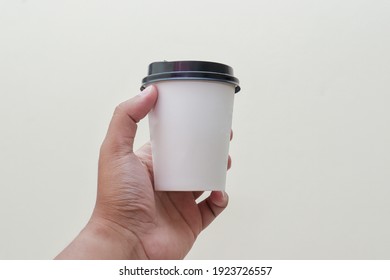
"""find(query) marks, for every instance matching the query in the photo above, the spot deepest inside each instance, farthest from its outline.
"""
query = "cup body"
(190, 134)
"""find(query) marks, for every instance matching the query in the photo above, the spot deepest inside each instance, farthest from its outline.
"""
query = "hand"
(130, 219)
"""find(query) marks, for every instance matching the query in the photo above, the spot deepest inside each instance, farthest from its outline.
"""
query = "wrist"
(103, 239)
(119, 242)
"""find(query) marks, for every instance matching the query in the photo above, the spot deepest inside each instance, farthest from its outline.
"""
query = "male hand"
(130, 219)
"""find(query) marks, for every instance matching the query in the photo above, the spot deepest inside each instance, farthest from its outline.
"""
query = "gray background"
(311, 147)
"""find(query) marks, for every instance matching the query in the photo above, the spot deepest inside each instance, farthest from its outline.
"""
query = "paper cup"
(190, 124)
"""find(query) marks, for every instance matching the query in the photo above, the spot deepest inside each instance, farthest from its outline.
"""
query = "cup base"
(189, 189)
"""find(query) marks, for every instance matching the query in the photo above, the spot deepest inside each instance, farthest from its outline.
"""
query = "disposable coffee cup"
(190, 124)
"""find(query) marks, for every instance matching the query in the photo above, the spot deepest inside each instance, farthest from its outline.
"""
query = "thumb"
(123, 125)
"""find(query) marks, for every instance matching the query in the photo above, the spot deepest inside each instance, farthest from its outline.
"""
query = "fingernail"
(221, 199)
(146, 91)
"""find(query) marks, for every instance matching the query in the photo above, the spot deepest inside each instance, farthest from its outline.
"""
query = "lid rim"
(190, 70)
(145, 84)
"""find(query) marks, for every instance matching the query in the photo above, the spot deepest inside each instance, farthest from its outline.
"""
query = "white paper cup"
(190, 125)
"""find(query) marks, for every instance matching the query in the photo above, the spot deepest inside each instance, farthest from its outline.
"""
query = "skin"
(130, 220)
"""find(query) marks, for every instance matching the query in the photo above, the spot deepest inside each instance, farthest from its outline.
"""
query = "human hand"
(130, 219)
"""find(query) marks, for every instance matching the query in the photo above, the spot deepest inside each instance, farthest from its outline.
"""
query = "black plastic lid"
(190, 70)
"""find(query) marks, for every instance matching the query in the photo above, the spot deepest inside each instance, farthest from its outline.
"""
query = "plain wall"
(311, 158)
